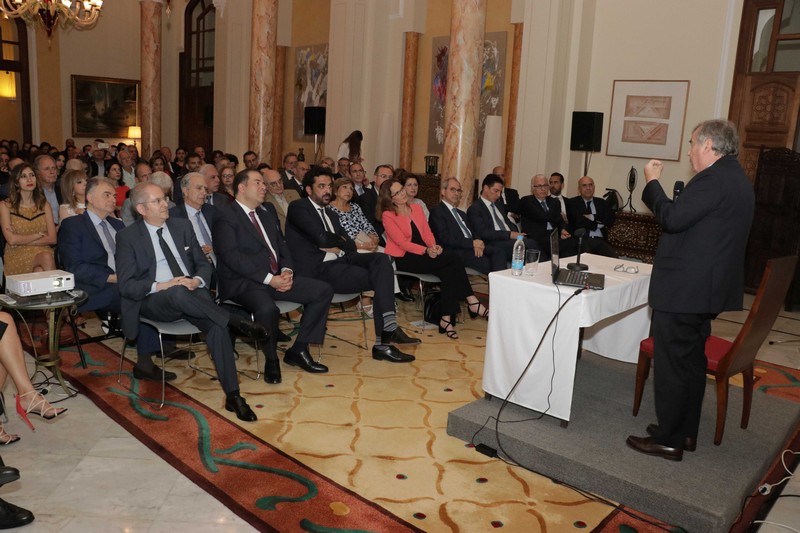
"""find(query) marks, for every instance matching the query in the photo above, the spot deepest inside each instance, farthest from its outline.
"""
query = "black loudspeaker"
(587, 131)
(315, 121)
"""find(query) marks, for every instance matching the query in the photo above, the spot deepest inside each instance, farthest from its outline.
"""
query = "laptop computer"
(572, 278)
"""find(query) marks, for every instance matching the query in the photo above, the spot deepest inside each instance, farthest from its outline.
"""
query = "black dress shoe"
(282, 337)
(8, 474)
(689, 444)
(647, 445)
(272, 371)
(238, 405)
(153, 374)
(398, 336)
(181, 354)
(304, 360)
(387, 352)
(404, 296)
(248, 328)
(12, 516)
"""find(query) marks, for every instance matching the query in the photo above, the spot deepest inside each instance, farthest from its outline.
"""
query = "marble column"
(511, 128)
(277, 115)
(409, 99)
(150, 34)
(465, 61)
(262, 76)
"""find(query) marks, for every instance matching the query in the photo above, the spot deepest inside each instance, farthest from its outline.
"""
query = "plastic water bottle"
(518, 257)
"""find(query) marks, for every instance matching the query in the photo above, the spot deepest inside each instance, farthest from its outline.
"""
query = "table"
(55, 318)
(615, 320)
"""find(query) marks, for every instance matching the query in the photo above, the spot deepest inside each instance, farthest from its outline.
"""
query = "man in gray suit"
(698, 272)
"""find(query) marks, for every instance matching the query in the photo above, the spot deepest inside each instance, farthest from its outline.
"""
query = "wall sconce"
(134, 132)
(8, 85)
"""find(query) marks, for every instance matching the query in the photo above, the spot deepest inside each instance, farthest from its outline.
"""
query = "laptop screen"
(555, 266)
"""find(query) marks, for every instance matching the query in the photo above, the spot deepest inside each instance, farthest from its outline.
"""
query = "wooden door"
(197, 77)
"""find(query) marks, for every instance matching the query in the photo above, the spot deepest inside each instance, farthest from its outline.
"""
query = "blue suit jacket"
(82, 253)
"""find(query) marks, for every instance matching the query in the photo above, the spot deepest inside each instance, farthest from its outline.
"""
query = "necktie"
(588, 207)
(109, 239)
(544, 205)
(497, 219)
(461, 224)
(273, 264)
(174, 267)
(324, 219)
(203, 232)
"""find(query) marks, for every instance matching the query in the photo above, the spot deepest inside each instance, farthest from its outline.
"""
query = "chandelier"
(80, 14)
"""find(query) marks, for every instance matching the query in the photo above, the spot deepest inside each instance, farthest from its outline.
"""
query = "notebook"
(572, 278)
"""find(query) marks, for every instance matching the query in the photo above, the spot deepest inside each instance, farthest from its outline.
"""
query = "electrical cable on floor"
(767, 522)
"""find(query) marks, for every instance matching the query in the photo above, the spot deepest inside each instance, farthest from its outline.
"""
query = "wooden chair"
(725, 358)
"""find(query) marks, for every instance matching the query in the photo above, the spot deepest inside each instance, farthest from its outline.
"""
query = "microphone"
(579, 233)
(677, 190)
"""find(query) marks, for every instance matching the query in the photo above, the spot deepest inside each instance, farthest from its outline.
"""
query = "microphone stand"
(578, 265)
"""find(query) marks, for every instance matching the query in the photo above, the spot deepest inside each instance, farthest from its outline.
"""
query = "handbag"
(432, 310)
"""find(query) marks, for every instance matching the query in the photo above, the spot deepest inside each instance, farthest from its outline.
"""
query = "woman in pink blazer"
(410, 241)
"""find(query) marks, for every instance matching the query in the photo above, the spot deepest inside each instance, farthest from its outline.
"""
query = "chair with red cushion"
(726, 358)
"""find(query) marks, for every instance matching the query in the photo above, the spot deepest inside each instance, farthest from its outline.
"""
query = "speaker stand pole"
(586, 163)
(316, 149)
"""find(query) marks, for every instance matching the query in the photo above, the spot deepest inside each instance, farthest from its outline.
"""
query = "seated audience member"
(114, 173)
(73, 191)
(369, 199)
(128, 164)
(27, 225)
(46, 174)
(327, 162)
(410, 241)
(351, 217)
(453, 232)
(86, 245)
(158, 163)
(226, 176)
(359, 177)
(211, 174)
(12, 364)
(127, 213)
(193, 164)
(279, 197)
(342, 168)
(255, 269)
(592, 214)
(509, 200)
(199, 213)
(97, 164)
(163, 180)
(164, 275)
(411, 184)
(490, 220)
(556, 182)
(250, 160)
(61, 162)
(179, 163)
(321, 249)
(290, 180)
(541, 214)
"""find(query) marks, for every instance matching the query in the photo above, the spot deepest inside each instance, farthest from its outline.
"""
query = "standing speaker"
(587, 131)
(315, 121)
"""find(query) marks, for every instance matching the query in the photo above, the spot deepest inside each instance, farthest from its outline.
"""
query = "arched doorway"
(197, 76)
(15, 100)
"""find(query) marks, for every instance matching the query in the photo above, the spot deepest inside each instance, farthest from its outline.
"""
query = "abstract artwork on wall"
(647, 119)
(310, 83)
(492, 84)
(104, 107)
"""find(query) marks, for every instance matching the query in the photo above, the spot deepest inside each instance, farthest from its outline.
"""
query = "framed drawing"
(647, 119)
(310, 84)
(104, 107)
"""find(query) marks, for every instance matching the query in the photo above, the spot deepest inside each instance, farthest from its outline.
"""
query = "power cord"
(766, 488)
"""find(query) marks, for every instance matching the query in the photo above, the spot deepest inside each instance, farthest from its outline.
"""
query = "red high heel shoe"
(38, 406)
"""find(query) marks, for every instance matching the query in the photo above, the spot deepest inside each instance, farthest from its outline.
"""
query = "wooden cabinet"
(776, 225)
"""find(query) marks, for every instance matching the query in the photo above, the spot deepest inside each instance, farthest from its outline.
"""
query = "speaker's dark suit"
(576, 208)
(244, 263)
(535, 220)
(698, 272)
(450, 236)
(136, 272)
(353, 272)
(482, 222)
(82, 253)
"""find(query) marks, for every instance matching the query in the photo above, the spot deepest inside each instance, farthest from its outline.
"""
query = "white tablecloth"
(615, 319)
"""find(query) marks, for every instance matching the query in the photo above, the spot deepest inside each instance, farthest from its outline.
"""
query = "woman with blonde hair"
(73, 192)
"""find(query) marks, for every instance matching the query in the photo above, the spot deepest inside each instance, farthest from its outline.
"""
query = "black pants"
(448, 267)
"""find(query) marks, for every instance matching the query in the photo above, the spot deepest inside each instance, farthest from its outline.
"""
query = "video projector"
(36, 283)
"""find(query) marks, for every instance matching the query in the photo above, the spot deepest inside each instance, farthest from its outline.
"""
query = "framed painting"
(647, 119)
(104, 107)
(310, 84)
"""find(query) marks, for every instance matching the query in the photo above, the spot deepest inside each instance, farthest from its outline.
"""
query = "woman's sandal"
(480, 310)
(447, 329)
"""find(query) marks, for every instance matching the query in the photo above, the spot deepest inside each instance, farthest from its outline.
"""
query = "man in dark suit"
(288, 174)
(557, 191)
(698, 272)
(541, 214)
(164, 275)
(256, 268)
(47, 174)
(368, 200)
(195, 210)
(490, 220)
(592, 214)
(86, 245)
(321, 249)
(214, 197)
(509, 199)
(453, 232)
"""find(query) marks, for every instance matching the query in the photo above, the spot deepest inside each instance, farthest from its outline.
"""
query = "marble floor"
(85, 473)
